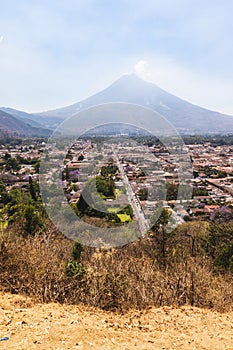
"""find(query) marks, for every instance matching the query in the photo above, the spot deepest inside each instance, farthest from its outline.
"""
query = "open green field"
(124, 217)
(114, 210)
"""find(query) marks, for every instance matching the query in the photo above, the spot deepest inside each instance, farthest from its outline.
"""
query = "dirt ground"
(30, 325)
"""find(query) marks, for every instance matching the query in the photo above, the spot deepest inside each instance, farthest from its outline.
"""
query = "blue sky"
(56, 52)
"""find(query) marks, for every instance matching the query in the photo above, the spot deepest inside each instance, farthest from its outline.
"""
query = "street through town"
(132, 198)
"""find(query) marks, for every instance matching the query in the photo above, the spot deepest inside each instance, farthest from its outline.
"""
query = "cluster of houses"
(26, 156)
(148, 170)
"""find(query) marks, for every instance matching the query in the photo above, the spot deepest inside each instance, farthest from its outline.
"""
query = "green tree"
(225, 258)
(32, 189)
(219, 245)
(32, 220)
(12, 165)
(7, 156)
(74, 268)
(172, 191)
(4, 198)
(105, 186)
(160, 233)
(81, 157)
(127, 210)
(37, 167)
(77, 251)
(143, 194)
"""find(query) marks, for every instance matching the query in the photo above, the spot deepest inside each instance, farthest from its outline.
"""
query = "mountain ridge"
(10, 125)
(185, 116)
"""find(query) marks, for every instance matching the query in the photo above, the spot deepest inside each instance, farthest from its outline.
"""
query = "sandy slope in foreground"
(52, 326)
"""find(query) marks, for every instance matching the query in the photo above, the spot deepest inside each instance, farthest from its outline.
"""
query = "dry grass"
(118, 280)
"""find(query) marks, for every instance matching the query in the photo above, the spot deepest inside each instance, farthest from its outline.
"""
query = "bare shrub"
(116, 279)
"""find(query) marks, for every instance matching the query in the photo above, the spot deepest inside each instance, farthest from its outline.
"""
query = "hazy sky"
(56, 52)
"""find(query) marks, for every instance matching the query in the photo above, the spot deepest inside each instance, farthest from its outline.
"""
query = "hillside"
(186, 117)
(30, 325)
(32, 119)
(23, 116)
(13, 126)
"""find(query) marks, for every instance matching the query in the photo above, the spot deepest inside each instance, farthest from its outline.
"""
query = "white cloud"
(141, 68)
(1, 38)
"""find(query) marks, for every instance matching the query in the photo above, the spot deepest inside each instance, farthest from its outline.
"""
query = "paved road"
(133, 201)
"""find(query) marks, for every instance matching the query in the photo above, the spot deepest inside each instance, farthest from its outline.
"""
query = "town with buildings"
(146, 176)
